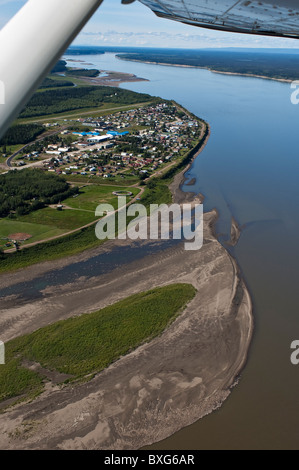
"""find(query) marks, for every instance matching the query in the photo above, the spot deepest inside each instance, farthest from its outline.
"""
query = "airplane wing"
(264, 17)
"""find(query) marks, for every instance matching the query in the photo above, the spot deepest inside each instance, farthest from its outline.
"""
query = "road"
(47, 134)
(11, 250)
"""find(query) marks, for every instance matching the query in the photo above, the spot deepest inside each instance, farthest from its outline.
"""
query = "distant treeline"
(269, 64)
(59, 67)
(49, 83)
(21, 134)
(28, 190)
(68, 99)
(83, 72)
(86, 50)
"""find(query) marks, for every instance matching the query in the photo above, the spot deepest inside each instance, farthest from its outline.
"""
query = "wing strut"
(31, 43)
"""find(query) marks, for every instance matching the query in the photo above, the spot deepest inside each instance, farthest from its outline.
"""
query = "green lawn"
(89, 343)
(65, 220)
(48, 222)
(38, 231)
(91, 196)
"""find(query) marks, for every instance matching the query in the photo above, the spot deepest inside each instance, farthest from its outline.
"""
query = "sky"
(115, 24)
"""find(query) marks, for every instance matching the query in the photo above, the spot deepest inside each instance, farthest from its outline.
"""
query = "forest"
(29, 190)
(50, 83)
(83, 72)
(22, 134)
(68, 99)
(279, 64)
(59, 67)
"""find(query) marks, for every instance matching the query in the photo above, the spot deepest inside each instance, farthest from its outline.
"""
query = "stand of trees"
(21, 134)
(29, 190)
(59, 67)
(50, 83)
(67, 99)
(282, 64)
(83, 72)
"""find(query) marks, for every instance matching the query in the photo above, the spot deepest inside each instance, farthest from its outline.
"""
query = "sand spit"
(162, 386)
(114, 79)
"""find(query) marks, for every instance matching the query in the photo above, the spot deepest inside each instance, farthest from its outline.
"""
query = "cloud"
(136, 25)
(202, 38)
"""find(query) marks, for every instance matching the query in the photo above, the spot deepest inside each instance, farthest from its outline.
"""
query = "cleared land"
(49, 222)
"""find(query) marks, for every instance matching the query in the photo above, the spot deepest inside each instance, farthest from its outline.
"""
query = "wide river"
(249, 170)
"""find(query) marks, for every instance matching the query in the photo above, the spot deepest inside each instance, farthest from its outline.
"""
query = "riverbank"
(161, 387)
(207, 68)
(110, 78)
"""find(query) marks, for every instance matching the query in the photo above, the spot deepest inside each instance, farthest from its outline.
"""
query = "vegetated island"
(80, 347)
(87, 76)
(271, 64)
(153, 391)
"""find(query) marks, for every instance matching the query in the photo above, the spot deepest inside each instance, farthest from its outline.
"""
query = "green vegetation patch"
(50, 250)
(38, 231)
(92, 195)
(59, 67)
(30, 189)
(156, 192)
(50, 83)
(66, 99)
(89, 343)
(83, 72)
(17, 381)
(67, 219)
(22, 134)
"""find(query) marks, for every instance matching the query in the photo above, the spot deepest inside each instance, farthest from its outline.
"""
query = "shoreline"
(163, 385)
(111, 78)
(264, 77)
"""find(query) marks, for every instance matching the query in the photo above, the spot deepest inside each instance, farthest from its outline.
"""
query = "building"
(100, 138)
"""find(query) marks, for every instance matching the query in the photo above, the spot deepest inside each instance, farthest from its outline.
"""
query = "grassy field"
(91, 196)
(107, 108)
(59, 222)
(156, 192)
(37, 231)
(48, 222)
(89, 343)
(64, 246)
(65, 220)
(10, 149)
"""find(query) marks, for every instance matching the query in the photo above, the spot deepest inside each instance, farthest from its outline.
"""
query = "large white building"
(99, 138)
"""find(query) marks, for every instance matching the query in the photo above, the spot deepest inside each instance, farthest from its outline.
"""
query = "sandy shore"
(162, 386)
(111, 78)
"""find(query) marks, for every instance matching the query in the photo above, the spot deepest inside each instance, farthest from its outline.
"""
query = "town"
(127, 143)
